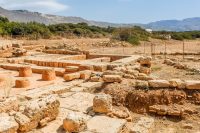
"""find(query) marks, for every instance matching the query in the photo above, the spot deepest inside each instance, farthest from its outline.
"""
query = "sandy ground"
(144, 47)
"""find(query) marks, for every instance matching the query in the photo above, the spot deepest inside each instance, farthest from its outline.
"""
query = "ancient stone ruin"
(70, 90)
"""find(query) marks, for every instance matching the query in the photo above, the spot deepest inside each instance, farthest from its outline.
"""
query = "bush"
(132, 35)
(133, 40)
(4, 19)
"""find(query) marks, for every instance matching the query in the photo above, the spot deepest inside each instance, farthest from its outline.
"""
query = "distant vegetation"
(33, 29)
(188, 35)
(133, 35)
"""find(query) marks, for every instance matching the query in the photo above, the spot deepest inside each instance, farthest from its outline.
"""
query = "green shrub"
(132, 35)
(134, 40)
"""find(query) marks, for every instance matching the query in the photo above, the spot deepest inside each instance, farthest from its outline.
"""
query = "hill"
(189, 24)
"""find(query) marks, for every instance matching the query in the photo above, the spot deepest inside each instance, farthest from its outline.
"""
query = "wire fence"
(165, 49)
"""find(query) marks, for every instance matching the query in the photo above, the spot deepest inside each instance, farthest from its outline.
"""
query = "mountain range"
(188, 24)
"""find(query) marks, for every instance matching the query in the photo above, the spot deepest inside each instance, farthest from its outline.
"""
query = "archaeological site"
(65, 88)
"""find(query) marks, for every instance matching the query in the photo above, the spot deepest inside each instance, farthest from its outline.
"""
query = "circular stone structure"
(25, 71)
(22, 83)
(48, 75)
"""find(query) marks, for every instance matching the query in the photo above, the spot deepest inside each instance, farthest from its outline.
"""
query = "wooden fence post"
(165, 51)
(183, 50)
(144, 48)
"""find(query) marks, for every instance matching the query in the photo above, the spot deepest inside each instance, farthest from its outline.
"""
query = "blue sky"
(118, 11)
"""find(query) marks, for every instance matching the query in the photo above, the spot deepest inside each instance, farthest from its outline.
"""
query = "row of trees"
(44, 31)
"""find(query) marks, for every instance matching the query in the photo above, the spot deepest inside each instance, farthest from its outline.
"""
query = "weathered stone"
(100, 67)
(177, 83)
(9, 104)
(166, 110)
(144, 125)
(24, 122)
(86, 67)
(48, 75)
(112, 78)
(25, 71)
(71, 76)
(109, 72)
(162, 110)
(79, 102)
(96, 79)
(129, 76)
(8, 124)
(71, 69)
(141, 84)
(78, 89)
(145, 70)
(159, 83)
(22, 83)
(104, 124)
(169, 62)
(85, 74)
(44, 122)
(102, 103)
(145, 61)
(132, 72)
(192, 84)
(174, 112)
(19, 52)
(37, 110)
(74, 123)
(144, 77)
(188, 126)
(92, 86)
(121, 112)
(179, 66)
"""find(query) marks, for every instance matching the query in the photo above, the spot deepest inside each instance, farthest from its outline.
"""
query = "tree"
(4, 19)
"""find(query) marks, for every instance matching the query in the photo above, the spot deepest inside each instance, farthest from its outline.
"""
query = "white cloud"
(44, 6)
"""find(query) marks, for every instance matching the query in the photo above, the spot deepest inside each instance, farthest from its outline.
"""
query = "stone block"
(102, 103)
(22, 83)
(71, 69)
(25, 123)
(85, 74)
(71, 76)
(109, 72)
(112, 78)
(75, 122)
(100, 67)
(48, 75)
(95, 79)
(104, 124)
(141, 84)
(177, 83)
(159, 84)
(145, 70)
(86, 67)
(37, 110)
(25, 71)
(8, 124)
(145, 61)
(192, 84)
